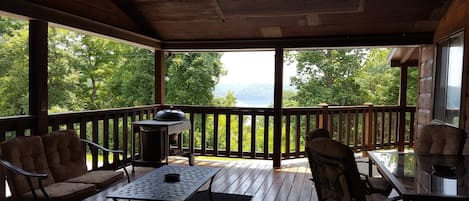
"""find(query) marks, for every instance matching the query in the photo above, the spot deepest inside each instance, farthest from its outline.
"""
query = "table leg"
(370, 167)
(133, 147)
(210, 188)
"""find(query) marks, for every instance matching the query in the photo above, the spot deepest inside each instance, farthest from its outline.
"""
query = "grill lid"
(170, 115)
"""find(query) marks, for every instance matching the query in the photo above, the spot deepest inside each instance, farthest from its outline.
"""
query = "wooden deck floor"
(249, 177)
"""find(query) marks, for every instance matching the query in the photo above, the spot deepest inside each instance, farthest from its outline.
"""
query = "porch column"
(402, 107)
(160, 71)
(277, 157)
(38, 98)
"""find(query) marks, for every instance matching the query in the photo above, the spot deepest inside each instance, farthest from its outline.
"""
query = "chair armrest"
(94, 145)
(28, 175)
(20, 171)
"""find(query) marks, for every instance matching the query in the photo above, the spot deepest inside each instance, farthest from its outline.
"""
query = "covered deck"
(277, 169)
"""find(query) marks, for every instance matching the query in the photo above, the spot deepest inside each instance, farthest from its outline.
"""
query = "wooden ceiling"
(173, 21)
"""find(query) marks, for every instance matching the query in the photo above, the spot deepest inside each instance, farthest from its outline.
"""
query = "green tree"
(381, 82)
(327, 76)
(228, 101)
(14, 65)
(191, 77)
(131, 82)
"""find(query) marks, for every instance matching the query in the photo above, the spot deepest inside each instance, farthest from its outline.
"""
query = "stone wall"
(455, 19)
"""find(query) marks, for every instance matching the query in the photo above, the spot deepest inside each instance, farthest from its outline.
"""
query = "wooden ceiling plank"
(130, 9)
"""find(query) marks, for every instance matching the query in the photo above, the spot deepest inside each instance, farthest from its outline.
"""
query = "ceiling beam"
(392, 40)
(42, 13)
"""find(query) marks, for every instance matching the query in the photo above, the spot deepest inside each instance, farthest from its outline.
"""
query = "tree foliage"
(191, 77)
(327, 76)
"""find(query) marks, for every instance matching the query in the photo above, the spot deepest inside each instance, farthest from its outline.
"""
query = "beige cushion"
(100, 178)
(65, 155)
(440, 139)
(26, 153)
(64, 191)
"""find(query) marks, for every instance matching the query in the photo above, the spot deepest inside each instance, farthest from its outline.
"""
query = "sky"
(252, 67)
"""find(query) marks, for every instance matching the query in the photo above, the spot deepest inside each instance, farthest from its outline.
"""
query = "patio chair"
(30, 177)
(67, 160)
(440, 139)
(53, 167)
(335, 172)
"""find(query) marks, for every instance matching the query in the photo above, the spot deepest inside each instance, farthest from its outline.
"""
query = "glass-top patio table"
(152, 186)
(424, 176)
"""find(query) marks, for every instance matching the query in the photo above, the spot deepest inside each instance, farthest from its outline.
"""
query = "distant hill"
(249, 95)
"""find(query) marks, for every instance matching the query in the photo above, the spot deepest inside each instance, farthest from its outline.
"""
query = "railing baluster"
(106, 140)
(125, 133)
(382, 136)
(266, 136)
(297, 135)
(203, 142)
(191, 133)
(355, 136)
(253, 136)
(375, 128)
(339, 125)
(411, 130)
(215, 134)
(228, 134)
(240, 134)
(331, 125)
(115, 129)
(287, 135)
(390, 128)
(94, 133)
(347, 128)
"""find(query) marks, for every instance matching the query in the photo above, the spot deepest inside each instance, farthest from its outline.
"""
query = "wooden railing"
(234, 131)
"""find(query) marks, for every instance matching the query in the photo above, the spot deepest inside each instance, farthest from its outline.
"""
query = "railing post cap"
(368, 104)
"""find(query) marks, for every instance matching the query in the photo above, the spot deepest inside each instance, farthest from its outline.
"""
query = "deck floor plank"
(248, 177)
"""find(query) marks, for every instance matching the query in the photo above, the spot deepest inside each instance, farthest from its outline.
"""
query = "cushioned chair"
(67, 160)
(440, 139)
(30, 177)
(53, 167)
(335, 172)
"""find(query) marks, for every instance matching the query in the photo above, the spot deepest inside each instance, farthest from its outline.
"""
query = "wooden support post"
(38, 97)
(402, 108)
(368, 135)
(160, 71)
(323, 116)
(277, 157)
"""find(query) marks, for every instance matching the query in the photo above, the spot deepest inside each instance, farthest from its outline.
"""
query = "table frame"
(404, 194)
(157, 176)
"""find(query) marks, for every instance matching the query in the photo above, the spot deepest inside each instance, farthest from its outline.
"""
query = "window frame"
(440, 75)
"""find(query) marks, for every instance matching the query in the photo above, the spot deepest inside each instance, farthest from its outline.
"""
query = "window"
(448, 79)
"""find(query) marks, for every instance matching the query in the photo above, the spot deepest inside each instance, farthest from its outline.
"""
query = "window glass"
(448, 79)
